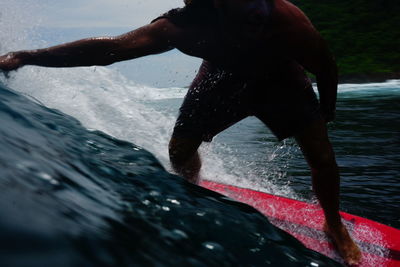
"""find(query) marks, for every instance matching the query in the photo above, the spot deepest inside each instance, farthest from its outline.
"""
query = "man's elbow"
(328, 69)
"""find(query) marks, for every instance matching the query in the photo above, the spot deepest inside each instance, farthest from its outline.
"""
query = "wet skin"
(250, 38)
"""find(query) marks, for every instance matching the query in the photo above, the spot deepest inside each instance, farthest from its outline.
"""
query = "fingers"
(9, 62)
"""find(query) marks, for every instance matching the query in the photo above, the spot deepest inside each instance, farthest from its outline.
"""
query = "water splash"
(103, 99)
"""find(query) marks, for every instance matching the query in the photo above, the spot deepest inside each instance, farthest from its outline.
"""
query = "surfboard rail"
(379, 243)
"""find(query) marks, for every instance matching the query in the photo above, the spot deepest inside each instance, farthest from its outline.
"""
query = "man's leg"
(318, 152)
(185, 159)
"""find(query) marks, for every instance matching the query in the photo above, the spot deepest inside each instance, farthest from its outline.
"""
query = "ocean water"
(78, 197)
(98, 191)
(84, 161)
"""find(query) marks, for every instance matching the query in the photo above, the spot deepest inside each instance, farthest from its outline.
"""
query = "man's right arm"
(154, 38)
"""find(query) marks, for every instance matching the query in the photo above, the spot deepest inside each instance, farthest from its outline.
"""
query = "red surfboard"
(380, 244)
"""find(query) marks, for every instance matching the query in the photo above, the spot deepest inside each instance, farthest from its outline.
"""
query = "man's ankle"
(333, 222)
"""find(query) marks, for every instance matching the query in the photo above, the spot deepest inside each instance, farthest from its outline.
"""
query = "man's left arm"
(327, 82)
(315, 56)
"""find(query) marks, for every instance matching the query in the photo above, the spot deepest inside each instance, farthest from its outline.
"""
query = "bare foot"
(344, 244)
(192, 178)
(195, 180)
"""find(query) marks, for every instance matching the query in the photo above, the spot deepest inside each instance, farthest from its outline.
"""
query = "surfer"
(254, 55)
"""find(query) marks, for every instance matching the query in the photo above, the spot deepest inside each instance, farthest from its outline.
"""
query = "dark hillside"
(364, 35)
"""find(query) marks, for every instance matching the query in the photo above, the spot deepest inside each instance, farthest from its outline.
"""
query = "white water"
(103, 99)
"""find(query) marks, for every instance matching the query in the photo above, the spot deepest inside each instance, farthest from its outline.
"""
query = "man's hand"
(11, 61)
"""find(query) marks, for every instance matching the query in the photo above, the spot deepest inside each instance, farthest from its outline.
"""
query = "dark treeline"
(363, 34)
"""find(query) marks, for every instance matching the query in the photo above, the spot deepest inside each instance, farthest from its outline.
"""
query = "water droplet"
(209, 246)
(166, 208)
(179, 233)
(45, 176)
(154, 193)
(173, 201)
(290, 256)
(54, 182)
(213, 246)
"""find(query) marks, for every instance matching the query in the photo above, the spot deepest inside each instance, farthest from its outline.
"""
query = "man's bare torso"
(286, 35)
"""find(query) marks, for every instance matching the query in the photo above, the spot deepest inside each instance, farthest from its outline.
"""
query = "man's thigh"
(215, 100)
(287, 112)
(286, 101)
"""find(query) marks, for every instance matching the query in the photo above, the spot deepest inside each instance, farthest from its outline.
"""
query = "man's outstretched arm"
(154, 38)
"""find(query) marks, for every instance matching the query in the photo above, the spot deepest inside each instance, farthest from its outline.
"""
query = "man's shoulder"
(187, 16)
(172, 15)
(293, 25)
(163, 27)
(288, 15)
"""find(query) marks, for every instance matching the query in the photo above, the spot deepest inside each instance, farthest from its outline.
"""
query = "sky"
(102, 13)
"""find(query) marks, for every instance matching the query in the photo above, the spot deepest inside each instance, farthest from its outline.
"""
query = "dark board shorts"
(284, 101)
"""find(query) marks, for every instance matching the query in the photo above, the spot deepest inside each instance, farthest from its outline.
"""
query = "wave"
(74, 197)
(390, 87)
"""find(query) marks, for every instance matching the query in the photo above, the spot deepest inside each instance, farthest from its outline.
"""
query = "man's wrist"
(23, 57)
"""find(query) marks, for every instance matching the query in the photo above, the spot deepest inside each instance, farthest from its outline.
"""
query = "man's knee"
(182, 150)
(174, 151)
